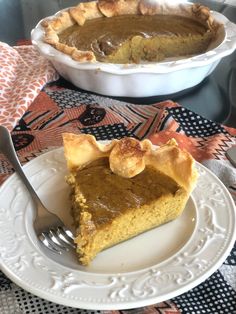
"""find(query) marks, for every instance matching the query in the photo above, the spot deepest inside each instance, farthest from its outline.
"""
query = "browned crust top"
(129, 157)
(108, 8)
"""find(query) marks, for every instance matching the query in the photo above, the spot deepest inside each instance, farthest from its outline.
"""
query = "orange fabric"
(21, 79)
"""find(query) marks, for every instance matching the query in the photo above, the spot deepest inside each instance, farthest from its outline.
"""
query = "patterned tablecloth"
(60, 107)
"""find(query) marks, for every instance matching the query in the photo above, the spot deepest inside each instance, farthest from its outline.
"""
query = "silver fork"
(49, 228)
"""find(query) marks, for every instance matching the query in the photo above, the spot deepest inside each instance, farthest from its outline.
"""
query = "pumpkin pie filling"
(109, 195)
(124, 188)
(131, 31)
(125, 38)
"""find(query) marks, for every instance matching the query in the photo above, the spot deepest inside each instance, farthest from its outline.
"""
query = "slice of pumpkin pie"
(123, 188)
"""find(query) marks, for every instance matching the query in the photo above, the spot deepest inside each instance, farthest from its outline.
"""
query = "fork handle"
(8, 150)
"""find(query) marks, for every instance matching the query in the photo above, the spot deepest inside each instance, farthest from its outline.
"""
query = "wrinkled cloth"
(23, 73)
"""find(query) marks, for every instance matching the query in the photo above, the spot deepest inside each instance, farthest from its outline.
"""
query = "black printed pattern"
(203, 298)
(231, 259)
(193, 124)
(19, 301)
(5, 283)
(92, 115)
(21, 125)
(107, 132)
(67, 99)
(22, 140)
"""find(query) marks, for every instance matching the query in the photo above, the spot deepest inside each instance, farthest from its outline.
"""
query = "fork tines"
(58, 240)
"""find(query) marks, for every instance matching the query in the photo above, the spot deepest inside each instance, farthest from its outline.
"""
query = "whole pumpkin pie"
(123, 188)
(131, 31)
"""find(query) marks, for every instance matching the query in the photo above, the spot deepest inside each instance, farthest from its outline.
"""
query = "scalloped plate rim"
(97, 305)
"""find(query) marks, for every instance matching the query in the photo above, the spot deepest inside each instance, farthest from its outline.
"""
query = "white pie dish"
(144, 79)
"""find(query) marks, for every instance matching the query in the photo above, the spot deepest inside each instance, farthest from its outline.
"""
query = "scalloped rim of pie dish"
(225, 44)
(109, 8)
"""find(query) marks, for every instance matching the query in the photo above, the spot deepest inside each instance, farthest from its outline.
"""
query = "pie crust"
(128, 157)
(110, 8)
(117, 191)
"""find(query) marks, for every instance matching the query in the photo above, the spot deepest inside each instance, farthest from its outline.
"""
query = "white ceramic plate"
(144, 79)
(155, 266)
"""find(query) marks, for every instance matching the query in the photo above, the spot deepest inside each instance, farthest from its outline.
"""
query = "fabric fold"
(23, 74)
